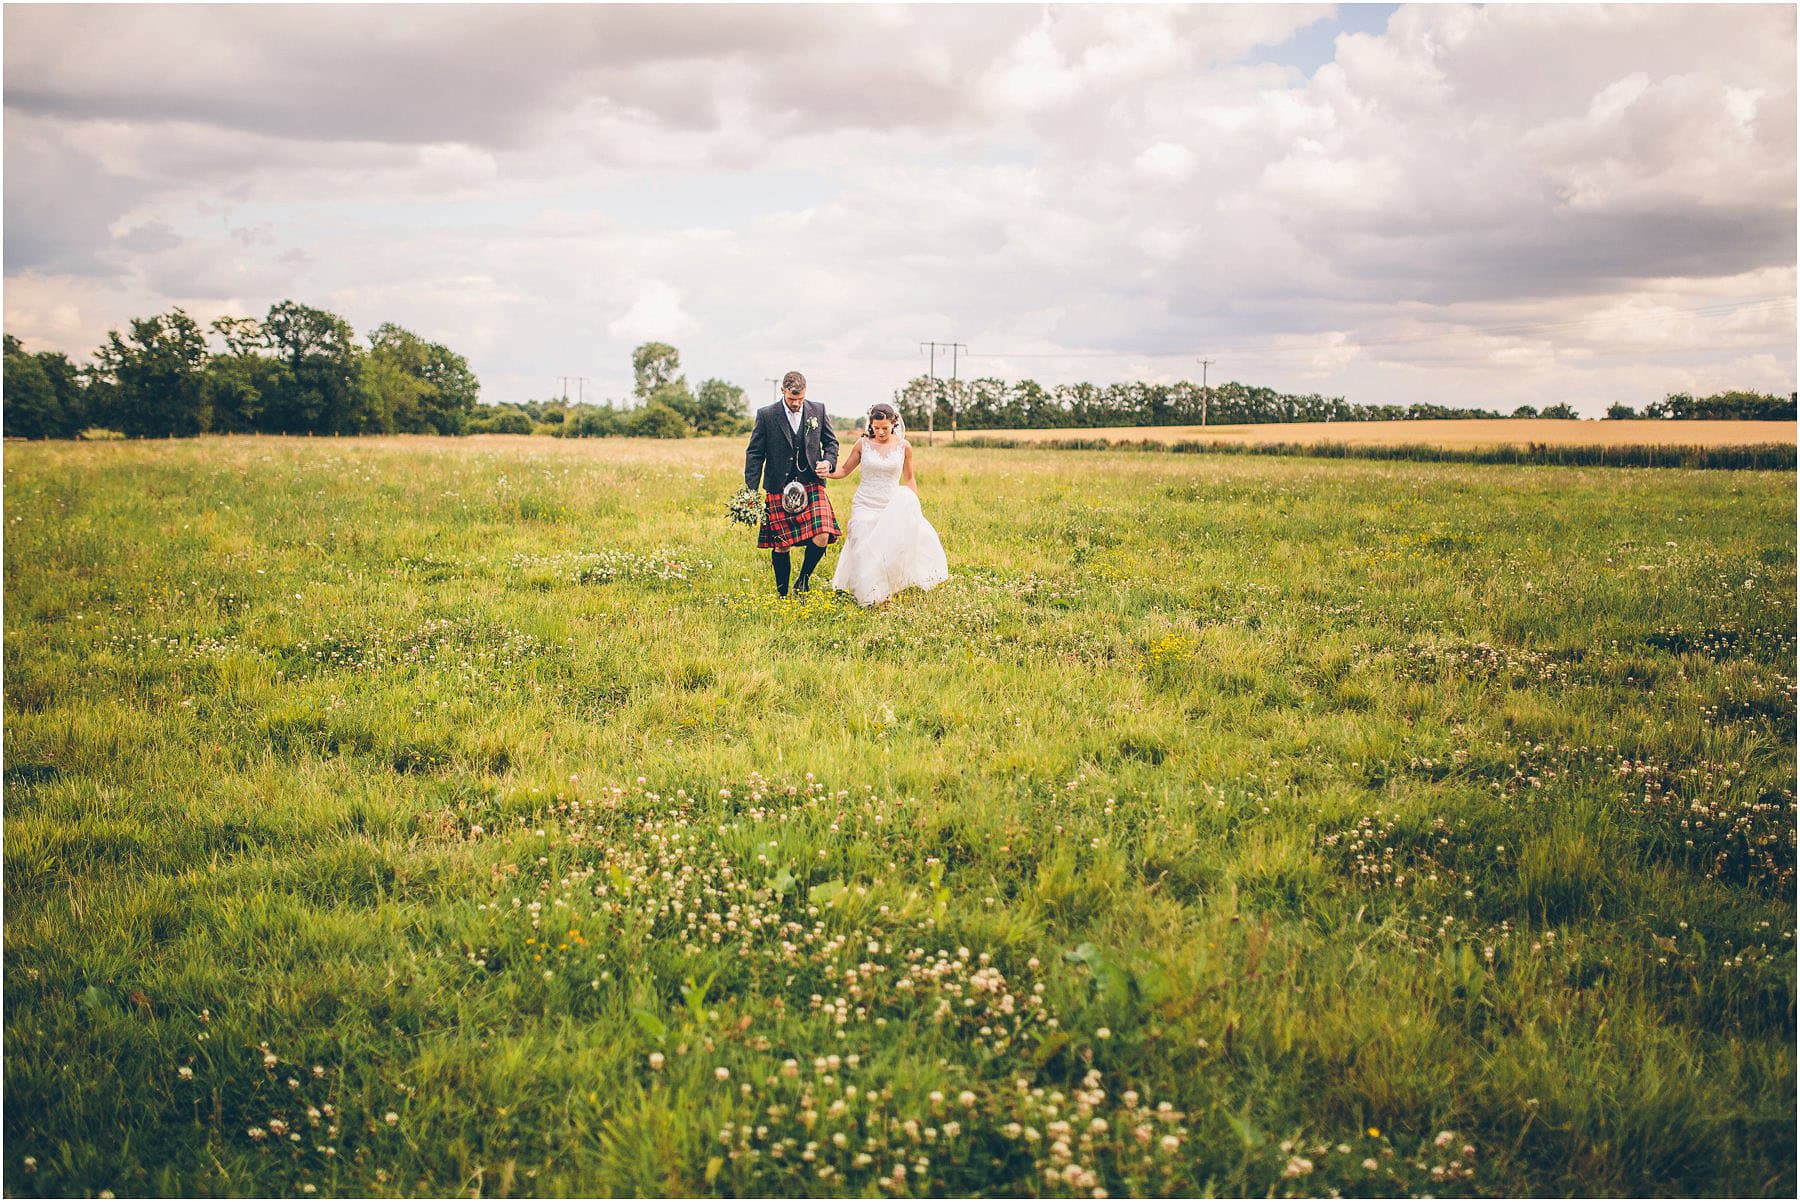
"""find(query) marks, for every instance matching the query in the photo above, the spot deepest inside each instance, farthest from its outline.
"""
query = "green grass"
(1228, 824)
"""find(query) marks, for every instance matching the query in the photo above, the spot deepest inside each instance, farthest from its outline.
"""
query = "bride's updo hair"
(880, 411)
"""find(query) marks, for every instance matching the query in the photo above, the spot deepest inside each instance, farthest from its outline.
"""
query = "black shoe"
(803, 585)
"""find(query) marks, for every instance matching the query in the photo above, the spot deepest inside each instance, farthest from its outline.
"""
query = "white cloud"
(1167, 161)
(542, 187)
(655, 316)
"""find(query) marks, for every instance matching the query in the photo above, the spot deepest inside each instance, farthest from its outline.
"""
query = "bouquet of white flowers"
(746, 507)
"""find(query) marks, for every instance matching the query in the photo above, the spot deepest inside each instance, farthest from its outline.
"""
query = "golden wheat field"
(1493, 432)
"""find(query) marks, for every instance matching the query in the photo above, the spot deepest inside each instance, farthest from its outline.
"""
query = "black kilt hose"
(781, 529)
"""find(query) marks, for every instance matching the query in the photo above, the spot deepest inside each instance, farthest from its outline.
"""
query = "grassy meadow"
(406, 816)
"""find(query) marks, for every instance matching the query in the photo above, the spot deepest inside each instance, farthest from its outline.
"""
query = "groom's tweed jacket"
(776, 455)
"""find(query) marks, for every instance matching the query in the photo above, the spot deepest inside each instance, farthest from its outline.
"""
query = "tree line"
(301, 370)
(1719, 407)
(666, 407)
(994, 404)
(298, 370)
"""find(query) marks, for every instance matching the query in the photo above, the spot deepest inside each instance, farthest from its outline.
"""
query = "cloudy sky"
(1418, 203)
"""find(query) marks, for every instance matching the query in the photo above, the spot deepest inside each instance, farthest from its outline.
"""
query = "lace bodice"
(880, 471)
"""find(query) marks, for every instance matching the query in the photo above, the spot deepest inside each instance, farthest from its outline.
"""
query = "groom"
(792, 443)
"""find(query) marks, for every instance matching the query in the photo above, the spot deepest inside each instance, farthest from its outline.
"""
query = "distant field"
(1491, 433)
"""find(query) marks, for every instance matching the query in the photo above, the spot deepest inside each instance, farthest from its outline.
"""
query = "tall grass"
(1246, 825)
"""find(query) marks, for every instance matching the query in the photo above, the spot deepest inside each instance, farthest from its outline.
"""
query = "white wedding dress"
(891, 546)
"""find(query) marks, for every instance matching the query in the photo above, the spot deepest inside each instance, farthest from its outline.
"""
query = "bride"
(891, 546)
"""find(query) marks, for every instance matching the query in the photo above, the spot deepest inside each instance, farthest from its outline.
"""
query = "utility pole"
(931, 410)
(955, 407)
(1205, 395)
(774, 387)
(580, 382)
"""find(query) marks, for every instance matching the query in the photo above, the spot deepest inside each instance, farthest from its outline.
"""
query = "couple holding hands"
(793, 451)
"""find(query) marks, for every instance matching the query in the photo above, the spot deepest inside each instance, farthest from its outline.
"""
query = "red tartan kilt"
(781, 529)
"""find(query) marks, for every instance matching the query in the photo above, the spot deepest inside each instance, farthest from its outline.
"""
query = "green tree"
(916, 400)
(983, 405)
(593, 421)
(237, 380)
(31, 409)
(241, 335)
(454, 389)
(719, 408)
(424, 387)
(1723, 406)
(325, 391)
(658, 420)
(44, 394)
(400, 394)
(395, 370)
(71, 391)
(235, 387)
(1618, 411)
(1525, 411)
(503, 419)
(912, 399)
(153, 382)
(653, 365)
(1029, 405)
(676, 395)
(1562, 409)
